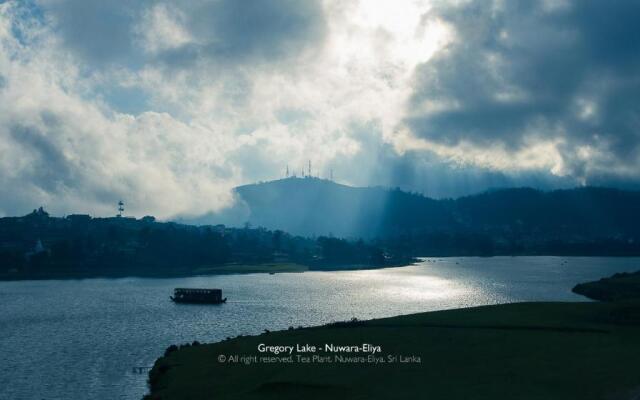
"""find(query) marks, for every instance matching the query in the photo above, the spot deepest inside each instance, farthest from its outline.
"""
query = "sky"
(168, 105)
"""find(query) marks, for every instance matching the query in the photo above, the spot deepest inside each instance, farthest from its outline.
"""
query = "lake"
(81, 339)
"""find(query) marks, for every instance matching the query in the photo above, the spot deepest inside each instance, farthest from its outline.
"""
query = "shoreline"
(496, 351)
(270, 267)
(231, 269)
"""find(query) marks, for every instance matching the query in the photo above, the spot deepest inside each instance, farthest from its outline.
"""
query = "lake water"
(80, 339)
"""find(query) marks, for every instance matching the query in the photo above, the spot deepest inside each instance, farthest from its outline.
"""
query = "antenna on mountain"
(287, 173)
(309, 167)
(120, 208)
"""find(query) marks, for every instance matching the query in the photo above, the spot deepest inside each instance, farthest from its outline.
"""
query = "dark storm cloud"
(523, 68)
(222, 30)
(100, 31)
(50, 169)
(248, 30)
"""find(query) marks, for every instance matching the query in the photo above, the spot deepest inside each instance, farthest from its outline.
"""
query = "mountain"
(395, 226)
(312, 206)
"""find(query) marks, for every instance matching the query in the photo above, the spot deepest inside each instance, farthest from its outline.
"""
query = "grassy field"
(514, 351)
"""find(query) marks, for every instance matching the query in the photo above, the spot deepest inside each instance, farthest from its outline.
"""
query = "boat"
(198, 296)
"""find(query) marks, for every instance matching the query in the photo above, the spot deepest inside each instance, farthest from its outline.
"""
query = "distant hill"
(300, 216)
(311, 206)
(580, 212)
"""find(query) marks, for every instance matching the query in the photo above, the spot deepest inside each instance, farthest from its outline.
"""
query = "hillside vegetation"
(582, 221)
(40, 246)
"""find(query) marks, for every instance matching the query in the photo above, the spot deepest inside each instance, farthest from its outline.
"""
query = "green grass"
(514, 351)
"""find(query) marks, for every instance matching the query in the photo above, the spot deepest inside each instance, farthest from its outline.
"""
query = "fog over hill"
(311, 206)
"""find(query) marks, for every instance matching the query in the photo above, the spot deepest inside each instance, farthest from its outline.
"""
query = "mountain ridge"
(313, 206)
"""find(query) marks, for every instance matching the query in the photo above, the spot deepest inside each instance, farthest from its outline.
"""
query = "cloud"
(168, 105)
(265, 31)
(163, 28)
(93, 113)
(562, 76)
(220, 30)
(75, 155)
(98, 31)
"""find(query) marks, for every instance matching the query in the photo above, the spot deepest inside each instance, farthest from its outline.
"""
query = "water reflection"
(81, 338)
